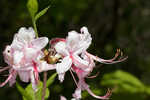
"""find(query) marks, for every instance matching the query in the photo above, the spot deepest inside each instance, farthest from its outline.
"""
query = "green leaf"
(41, 13)
(148, 90)
(23, 92)
(123, 82)
(32, 6)
(51, 80)
(36, 95)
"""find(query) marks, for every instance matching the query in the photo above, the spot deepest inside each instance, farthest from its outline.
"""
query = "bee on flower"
(24, 56)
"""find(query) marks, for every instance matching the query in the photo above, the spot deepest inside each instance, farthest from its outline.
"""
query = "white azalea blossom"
(23, 56)
(70, 48)
(76, 58)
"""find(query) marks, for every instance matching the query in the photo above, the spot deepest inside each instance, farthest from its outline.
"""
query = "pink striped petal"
(81, 63)
(24, 75)
(33, 81)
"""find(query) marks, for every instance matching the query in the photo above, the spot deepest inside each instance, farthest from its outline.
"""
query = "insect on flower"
(50, 56)
(75, 58)
(23, 57)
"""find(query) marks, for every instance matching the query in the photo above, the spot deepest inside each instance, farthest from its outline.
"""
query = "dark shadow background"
(113, 24)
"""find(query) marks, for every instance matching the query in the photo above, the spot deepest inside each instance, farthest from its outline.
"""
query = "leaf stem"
(44, 86)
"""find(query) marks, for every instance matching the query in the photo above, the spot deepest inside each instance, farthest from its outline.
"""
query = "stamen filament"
(73, 77)
(3, 69)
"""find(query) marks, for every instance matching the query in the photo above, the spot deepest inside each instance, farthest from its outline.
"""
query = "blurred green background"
(113, 24)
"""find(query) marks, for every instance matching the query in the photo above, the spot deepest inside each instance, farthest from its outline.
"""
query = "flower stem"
(73, 78)
(35, 27)
(44, 86)
(35, 96)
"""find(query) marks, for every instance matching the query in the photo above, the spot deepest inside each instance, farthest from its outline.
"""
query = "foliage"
(23, 92)
(41, 13)
(32, 6)
(29, 94)
(36, 95)
(125, 83)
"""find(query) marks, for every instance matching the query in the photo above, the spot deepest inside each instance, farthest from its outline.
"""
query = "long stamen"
(93, 75)
(110, 61)
(116, 55)
(73, 77)
(5, 75)
(6, 81)
(5, 68)
(106, 96)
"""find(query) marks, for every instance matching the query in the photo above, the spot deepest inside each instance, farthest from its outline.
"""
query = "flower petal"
(85, 41)
(64, 65)
(26, 35)
(24, 75)
(80, 63)
(39, 43)
(30, 53)
(61, 48)
(61, 77)
(33, 81)
(72, 41)
(17, 57)
(17, 44)
(44, 66)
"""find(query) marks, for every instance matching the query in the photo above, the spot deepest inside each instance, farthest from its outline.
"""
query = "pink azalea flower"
(70, 48)
(76, 58)
(23, 56)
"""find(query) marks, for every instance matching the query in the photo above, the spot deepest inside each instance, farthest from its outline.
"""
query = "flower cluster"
(26, 57)
(23, 57)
